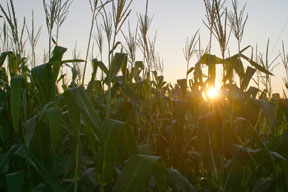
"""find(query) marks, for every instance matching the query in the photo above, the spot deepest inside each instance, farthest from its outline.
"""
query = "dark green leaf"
(136, 172)
(54, 119)
(118, 60)
(78, 102)
(14, 181)
(4, 161)
(190, 70)
(257, 66)
(210, 59)
(3, 57)
(178, 182)
(248, 76)
(113, 132)
(263, 185)
(15, 99)
(44, 80)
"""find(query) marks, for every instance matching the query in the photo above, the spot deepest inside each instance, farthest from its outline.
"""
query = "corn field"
(127, 129)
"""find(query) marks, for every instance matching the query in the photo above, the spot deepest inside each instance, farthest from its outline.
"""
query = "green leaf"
(55, 60)
(211, 75)
(210, 59)
(102, 66)
(3, 57)
(54, 119)
(248, 76)
(95, 67)
(4, 161)
(115, 46)
(15, 99)
(263, 185)
(136, 172)
(14, 181)
(45, 82)
(113, 132)
(57, 54)
(47, 177)
(252, 92)
(178, 182)
(257, 66)
(190, 70)
(78, 101)
(31, 125)
(118, 60)
(12, 64)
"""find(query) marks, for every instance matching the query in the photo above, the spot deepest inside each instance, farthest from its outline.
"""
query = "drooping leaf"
(145, 149)
(3, 57)
(31, 125)
(139, 65)
(47, 177)
(211, 75)
(15, 100)
(268, 111)
(256, 65)
(248, 75)
(210, 59)
(263, 185)
(118, 60)
(113, 132)
(136, 172)
(234, 63)
(183, 85)
(252, 92)
(178, 182)
(54, 119)
(4, 161)
(102, 66)
(78, 102)
(57, 54)
(12, 64)
(190, 70)
(15, 181)
(95, 67)
(44, 80)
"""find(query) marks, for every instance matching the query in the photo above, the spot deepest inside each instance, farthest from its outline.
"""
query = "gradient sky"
(174, 21)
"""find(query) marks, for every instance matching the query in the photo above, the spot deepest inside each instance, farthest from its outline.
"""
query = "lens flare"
(212, 92)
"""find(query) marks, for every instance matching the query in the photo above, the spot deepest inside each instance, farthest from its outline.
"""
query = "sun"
(212, 92)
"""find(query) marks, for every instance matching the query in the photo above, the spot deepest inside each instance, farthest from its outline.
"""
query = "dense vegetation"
(128, 129)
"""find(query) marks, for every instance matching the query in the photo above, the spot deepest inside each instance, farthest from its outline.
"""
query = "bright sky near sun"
(174, 21)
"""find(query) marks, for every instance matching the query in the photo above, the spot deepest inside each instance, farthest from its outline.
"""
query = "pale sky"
(174, 21)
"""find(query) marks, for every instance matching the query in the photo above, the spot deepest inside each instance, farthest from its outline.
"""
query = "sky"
(173, 21)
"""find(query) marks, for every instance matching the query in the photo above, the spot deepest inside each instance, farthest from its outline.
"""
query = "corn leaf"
(113, 132)
(118, 60)
(190, 70)
(12, 64)
(178, 182)
(15, 99)
(3, 57)
(15, 181)
(78, 101)
(47, 177)
(263, 185)
(256, 65)
(210, 59)
(44, 80)
(136, 172)
(54, 119)
(248, 76)
(4, 161)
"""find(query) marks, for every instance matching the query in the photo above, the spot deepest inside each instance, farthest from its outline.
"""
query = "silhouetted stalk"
(119, 14)
(77, 149)
(94, 10)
